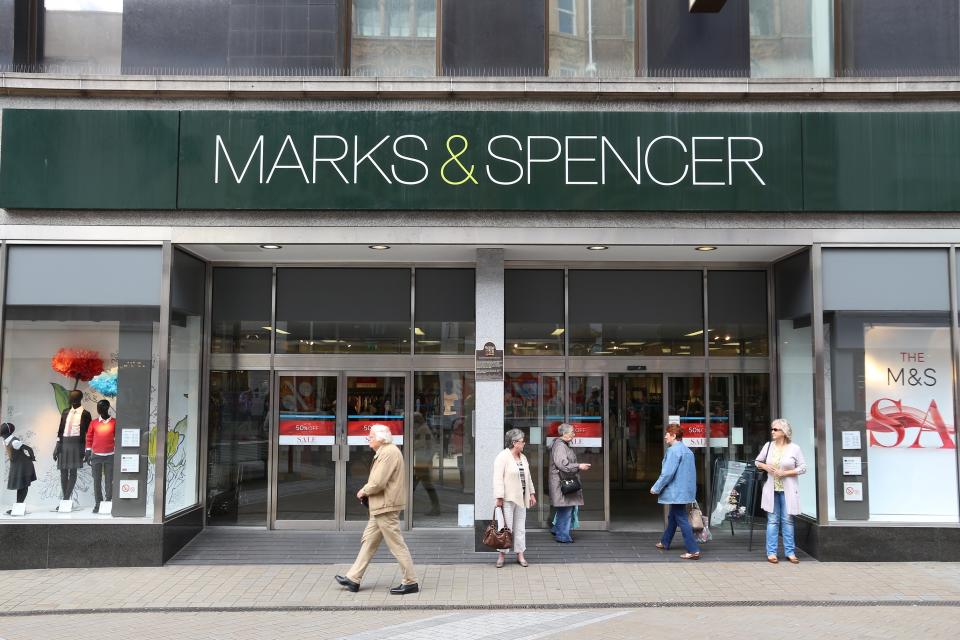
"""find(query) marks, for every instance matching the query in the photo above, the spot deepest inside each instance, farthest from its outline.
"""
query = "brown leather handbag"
(498, 538)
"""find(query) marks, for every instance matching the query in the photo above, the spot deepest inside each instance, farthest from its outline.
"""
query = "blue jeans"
(678, 516)
(562, 528)
(780, 522)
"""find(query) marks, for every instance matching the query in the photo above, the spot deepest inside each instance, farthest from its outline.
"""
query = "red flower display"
(78, 364)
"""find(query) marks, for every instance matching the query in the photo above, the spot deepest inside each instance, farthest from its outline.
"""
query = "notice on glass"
(853, 491)
(129, 489)
(736, 435)
(465, 515)
(673, 420)
(852, 466)
(850, 439)
(130, 437)
(130, 463)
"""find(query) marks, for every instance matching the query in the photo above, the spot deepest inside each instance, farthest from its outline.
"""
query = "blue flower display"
(105, 384)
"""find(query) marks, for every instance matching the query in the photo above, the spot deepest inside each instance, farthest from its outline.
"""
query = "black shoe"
(404, 589)
(96, 508)
(351, 586)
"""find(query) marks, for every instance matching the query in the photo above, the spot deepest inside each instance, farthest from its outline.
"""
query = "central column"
(488, 423)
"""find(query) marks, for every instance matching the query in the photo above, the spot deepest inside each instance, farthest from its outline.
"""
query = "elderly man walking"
(386, 493)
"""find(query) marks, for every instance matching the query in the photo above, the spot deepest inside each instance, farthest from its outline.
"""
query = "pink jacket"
(792, 459)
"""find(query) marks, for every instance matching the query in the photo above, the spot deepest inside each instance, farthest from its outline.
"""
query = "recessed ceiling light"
(706, 248)
(271, 246)
(597, 247)
(379, 247)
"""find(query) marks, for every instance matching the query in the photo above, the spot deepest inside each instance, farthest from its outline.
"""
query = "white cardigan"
(506, 480)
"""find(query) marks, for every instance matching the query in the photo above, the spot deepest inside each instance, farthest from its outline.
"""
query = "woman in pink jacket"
(783, 461)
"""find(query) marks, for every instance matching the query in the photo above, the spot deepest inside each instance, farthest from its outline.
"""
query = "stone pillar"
(488, 422)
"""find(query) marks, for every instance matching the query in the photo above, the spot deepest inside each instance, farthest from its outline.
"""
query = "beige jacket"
(386, 485)
(506, 480)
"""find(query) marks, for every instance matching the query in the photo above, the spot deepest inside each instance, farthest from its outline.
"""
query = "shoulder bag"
(496, 538)
(761, 474)
(568, 484)
(695, 516)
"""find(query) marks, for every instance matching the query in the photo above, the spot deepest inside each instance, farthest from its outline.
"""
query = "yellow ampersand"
(455, 157)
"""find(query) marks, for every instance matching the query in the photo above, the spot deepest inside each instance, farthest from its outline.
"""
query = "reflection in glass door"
(533, 403)
(306, 455)
(586, 417)
(369, 400)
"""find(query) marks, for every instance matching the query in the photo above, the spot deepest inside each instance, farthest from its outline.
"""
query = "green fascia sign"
(480, 160)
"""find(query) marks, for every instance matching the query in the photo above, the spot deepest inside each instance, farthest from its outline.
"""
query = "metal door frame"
(339, 451)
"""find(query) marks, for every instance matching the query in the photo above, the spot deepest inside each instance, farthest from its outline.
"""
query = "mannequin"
(74, 422)
(99, 454)
(22, 471)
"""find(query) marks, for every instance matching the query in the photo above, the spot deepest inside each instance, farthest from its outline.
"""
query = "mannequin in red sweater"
(99, 454)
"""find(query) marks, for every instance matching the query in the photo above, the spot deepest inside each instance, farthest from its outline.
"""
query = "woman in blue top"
(677, 487)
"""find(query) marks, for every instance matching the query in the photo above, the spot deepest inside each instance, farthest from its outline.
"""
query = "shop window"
(358, 311)
(890, 386)
(445, 310)
(793, 300)
(241, 310)
(443, 439)
(81, 348)
(893, 38)
(82, 36)
(737, 313)
(604, 47)
(636, 313)
(533, 312)
(239, 428)
(188, 276)
(394, 38)
(791, 38)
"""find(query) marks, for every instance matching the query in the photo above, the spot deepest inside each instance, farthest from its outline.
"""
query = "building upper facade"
(800, 39)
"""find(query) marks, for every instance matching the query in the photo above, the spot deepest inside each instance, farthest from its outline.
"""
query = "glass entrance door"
(686, 403)
(636, 449)
(534, 403)
(321, 456)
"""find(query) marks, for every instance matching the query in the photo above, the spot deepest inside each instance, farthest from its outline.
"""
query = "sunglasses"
(775, 429)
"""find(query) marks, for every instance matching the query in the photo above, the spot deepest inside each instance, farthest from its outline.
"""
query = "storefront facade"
(253, 271)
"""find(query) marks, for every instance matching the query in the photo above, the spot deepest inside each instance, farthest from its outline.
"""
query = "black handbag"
(570, 485)
(761, 474)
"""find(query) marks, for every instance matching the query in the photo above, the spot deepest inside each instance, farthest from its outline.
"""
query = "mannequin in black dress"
(22, 471)
(71, 438)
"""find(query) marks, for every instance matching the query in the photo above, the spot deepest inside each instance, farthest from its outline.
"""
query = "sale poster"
(910, 436)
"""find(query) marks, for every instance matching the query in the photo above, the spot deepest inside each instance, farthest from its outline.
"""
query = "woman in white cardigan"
(514, 492)
(783, 461)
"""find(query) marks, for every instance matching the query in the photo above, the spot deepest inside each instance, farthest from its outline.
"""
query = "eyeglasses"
(775, 429)
(520, 440)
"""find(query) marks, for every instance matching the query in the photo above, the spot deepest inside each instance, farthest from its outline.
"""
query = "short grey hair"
(564, 429)
(381, 432)
(512, 436)
(783, 425)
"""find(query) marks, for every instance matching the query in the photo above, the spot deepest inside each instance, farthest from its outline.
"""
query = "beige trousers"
(384, 526)
(517, 521)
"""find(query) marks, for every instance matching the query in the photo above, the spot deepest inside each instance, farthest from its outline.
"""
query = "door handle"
(346, 452)
(335, 453)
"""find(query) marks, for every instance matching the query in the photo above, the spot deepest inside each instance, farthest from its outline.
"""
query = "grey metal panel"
(239, 361)
(380, 362)
(955, 345)
(862, 279)
(819, 386)
(46, 275)
(533, 363)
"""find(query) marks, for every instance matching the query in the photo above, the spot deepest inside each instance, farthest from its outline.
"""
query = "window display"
(70, 349)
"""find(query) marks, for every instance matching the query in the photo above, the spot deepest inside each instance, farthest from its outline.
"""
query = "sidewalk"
(583, 585)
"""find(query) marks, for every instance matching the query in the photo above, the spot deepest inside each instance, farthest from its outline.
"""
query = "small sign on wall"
(853, 491)
(130, 463)
(130, 438)
(129, 489)
(489, 364)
